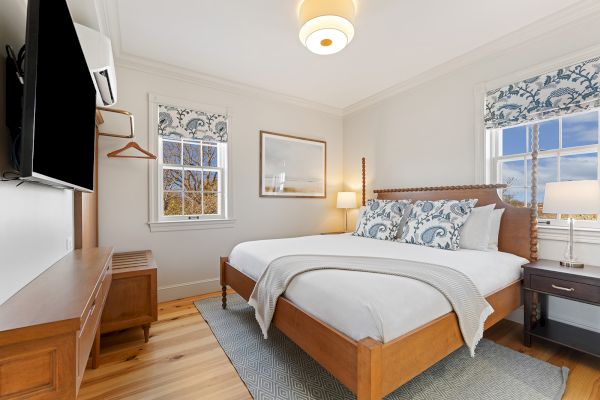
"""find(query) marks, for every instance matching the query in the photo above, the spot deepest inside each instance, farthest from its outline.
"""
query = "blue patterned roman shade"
(176, 122)
(567, 90)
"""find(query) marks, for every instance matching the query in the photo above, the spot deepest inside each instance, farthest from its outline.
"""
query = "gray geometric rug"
(277, 369)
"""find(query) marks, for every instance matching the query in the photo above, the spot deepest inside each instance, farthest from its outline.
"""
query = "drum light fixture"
(326, 25)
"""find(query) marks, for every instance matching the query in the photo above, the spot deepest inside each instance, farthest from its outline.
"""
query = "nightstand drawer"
(566, 288)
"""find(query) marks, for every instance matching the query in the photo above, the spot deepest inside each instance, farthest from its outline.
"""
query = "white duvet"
(361, 304)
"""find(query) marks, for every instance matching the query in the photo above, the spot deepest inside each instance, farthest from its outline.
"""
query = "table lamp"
(346, 200)
(572, 197)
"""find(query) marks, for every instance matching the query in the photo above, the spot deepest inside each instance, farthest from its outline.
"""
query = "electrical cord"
(18, 61)
(14, 148)
(18, 64)
(21, 60)
(9, 176)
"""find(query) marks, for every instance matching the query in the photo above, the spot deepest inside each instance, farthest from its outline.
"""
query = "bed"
(367, 344)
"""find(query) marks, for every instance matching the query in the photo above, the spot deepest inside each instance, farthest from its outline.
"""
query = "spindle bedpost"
(364, 179)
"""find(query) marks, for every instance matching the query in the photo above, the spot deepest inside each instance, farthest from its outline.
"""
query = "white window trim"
(561, 234)
(155, 223)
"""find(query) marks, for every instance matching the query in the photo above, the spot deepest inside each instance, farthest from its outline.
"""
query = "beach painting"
(292, 166)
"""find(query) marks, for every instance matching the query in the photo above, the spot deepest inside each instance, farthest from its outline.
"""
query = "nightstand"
(545, 278)
(331, 233)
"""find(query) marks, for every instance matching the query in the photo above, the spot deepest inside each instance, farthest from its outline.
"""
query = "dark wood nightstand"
(545, 278)
(331, 233)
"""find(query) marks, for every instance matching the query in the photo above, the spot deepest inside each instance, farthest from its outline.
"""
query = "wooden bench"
(131, 300)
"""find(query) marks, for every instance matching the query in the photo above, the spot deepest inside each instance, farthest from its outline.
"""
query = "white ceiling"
(255, 42)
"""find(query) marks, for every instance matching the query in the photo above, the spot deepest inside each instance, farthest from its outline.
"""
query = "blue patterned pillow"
(437, 223)
(382, 219)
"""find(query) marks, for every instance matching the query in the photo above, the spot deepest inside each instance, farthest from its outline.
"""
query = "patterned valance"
(567, 90)
(176, 122)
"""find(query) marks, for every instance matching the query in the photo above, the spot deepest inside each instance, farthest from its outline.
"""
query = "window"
(568, 150)
(189, 183)
(191, 175)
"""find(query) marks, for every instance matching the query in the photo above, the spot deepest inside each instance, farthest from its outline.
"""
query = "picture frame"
(292, 166)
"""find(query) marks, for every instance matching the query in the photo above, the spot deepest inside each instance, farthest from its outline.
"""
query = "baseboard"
(518, 314)
(574, 323)
(188, 289)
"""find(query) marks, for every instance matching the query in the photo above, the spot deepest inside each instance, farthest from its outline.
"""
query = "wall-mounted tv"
(58, 135)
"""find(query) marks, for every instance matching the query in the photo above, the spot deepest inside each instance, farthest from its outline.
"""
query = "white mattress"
(361, 304)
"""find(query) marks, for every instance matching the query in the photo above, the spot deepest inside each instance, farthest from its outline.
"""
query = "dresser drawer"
(565, 288)
(87, 335)
(91, 323)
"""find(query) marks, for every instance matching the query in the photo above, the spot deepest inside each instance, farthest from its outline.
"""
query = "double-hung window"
(191, 175)
(554, 118)
(568, 151)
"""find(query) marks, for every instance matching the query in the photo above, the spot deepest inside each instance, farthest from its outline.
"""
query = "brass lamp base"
(571, 264)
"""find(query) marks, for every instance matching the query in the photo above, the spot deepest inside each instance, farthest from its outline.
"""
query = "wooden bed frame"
(372, 369)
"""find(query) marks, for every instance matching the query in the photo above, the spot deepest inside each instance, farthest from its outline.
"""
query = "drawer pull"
(91, 310)
(570, 289)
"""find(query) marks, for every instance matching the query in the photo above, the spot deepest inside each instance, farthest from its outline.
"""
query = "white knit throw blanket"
(470, 306)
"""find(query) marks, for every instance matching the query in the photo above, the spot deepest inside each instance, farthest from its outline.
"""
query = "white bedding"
(362, 304)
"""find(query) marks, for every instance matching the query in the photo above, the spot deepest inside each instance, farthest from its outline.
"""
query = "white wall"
(188, 260)
(35, 221)
(424, 136)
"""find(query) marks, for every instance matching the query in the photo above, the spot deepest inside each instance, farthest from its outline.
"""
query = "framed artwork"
(292, 166)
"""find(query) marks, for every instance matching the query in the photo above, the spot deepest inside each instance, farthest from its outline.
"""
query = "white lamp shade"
(346, 200)
(326, 25)
(572, 197)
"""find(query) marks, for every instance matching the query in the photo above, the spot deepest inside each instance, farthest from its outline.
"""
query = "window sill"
(173, 226)
(561, 233)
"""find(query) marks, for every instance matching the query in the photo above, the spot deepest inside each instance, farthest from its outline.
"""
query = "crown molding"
(141, 64)
(542, 68)
(583, 10)
(110, 22)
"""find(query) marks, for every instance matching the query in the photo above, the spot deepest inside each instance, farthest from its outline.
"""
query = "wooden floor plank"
(184, 361)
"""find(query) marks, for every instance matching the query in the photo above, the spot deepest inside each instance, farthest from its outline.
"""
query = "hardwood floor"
(184, 361)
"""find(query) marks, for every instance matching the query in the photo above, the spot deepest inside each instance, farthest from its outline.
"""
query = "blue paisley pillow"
(382, 219)
(437, 223)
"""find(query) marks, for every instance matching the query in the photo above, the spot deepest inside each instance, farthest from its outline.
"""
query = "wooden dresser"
(48, 328)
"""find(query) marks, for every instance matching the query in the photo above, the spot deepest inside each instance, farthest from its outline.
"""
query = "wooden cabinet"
(132, 298)
(47, 329)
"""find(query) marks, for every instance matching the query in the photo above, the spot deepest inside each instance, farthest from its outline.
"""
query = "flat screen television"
(58, 136)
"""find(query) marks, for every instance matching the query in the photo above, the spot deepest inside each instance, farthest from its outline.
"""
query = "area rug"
(278, 369)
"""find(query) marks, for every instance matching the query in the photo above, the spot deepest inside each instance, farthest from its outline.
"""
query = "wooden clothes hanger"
(131, 145)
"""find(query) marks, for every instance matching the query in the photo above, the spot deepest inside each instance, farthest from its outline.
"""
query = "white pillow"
(475, 233)
(361, 212)
(495, 229)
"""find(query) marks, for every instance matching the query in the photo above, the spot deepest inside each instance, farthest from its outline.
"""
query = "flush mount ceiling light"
(326, 25)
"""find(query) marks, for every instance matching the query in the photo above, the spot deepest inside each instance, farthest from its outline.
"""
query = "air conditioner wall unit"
(99, 56)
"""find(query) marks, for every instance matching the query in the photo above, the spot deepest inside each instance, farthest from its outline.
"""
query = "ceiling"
(256, 42)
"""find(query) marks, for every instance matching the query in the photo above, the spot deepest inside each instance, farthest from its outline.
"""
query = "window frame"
(221, 169)
(157, 222)
(493, 144)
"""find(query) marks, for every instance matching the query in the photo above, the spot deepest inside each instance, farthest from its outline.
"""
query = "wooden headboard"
(518, 229)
